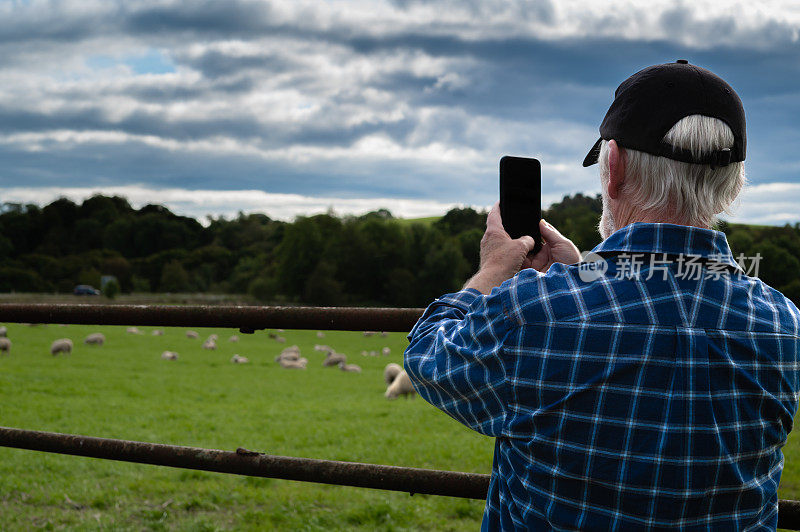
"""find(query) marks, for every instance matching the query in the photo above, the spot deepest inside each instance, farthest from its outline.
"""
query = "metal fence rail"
(254, 464)
(247, 319)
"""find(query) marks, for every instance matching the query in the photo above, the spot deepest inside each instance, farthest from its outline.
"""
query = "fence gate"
(244, 461)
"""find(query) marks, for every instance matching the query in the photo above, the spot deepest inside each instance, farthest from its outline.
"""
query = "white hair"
(674, 190)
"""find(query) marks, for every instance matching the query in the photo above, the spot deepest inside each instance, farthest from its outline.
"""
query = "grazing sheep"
(290, 353)
(236, 359)
(5, 345)
(373, 353)
(352, 368)
(169, 355)
(384, 334)
(213, 337)
(323, 348)
(370, 333)
(386, 351)
(300, 363)
(320, 334)
(62, 345)
(400, 386)
(3, 331)
(233, 338)
(280, 340)
(364, 354)
(210, 344)
(133, 330)
(95, 339)
(333, 358)
(192, 334)
(391, 371)
(158, 332)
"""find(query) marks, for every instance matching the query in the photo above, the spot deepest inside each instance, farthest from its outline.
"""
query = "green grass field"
(124, 390)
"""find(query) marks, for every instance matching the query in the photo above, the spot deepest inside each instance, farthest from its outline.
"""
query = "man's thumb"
(528, 242)
(549, 233)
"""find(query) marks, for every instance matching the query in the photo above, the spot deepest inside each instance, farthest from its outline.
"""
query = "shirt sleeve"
(455, 361)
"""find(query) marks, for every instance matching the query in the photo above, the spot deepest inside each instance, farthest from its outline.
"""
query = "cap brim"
(594, 153)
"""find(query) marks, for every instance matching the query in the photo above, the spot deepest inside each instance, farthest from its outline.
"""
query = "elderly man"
(652, 387)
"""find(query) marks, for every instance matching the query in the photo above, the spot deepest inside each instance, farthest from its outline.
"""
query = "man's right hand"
(555, 248)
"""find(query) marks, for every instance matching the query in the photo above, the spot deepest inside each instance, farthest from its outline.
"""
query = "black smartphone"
(521, 197)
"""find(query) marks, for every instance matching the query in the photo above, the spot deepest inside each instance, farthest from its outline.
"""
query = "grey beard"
(607, 226)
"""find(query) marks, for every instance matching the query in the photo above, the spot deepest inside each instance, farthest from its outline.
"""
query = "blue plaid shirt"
(638, 397)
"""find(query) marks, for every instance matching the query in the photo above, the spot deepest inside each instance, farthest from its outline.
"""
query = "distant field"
(425, 221)
(124, 390)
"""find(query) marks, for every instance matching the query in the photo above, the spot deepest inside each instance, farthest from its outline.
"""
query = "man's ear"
(616, 168)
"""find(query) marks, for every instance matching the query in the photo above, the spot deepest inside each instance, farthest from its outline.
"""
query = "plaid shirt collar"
(672, 239)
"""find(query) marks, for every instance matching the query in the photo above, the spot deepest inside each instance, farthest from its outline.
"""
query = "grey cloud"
(516, 94)
(208, 16)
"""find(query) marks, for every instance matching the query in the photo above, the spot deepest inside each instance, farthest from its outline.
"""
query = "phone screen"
(521, 197)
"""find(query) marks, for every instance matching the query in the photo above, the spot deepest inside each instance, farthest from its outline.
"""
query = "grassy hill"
(124, 390)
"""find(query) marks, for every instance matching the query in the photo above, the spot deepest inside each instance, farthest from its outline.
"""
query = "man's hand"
(502, 257)
(556, 248)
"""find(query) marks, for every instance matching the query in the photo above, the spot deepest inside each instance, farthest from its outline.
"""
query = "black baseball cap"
(650, 102)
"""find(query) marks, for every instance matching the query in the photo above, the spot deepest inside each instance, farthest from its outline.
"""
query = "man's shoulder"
(560, 294)
(571, 293)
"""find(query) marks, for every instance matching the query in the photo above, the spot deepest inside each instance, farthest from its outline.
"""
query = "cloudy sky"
(295, 106)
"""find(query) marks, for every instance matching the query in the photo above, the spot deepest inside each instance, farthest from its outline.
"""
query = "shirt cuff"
(461, 300)
(437, 310)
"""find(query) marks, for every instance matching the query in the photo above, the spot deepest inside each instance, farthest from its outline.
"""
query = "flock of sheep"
(396, 379)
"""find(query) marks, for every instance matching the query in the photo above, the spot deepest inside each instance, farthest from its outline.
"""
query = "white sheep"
(192, 334)
(280, 340)
(62, 345)
(384, 334)
(391, 371)
(352, 368)
(369, 333)
(5, 345)
(386, 351)
(233, 338)
(158, 332)
(95, 339)
(210, 344)
(3, 331)
(333, 359)
(133, 330)
(320, 334)
(236, 359)
(169, 355)
(300, 363)
(400, 386)
(213, 337)
(290, 353)
(323, 348)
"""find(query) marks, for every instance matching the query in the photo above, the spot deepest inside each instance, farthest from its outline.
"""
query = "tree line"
(373, 259)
